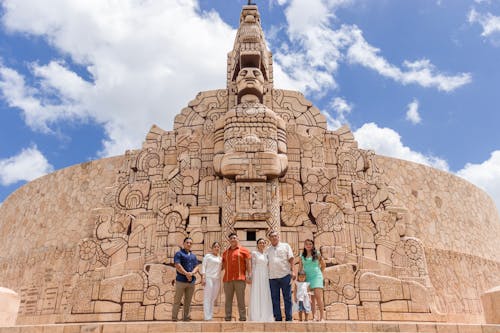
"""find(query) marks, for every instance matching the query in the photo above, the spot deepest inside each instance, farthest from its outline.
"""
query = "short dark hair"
(302, 273)
(258, 240)
(272, 232)
(185, 239)
(232, 234)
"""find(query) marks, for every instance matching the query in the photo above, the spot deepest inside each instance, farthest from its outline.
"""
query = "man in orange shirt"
(236, 263)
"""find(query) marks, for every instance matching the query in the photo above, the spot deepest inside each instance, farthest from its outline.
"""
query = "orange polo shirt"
(234, 263)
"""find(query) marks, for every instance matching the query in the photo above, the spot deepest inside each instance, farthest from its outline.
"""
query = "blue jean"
(282, 284)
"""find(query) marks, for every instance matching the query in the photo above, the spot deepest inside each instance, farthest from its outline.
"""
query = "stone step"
(199, 326)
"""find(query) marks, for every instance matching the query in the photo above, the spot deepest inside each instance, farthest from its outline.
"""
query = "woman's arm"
(322, 265)
(203, 270)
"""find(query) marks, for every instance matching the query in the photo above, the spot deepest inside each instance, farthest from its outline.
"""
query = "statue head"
(250, 81)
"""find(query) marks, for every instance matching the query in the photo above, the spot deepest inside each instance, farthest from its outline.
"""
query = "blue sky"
(86, 79)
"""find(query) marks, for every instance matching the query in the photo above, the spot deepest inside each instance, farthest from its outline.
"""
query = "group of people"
(270, 273)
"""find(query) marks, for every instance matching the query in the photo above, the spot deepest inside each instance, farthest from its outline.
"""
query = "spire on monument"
(249, 52)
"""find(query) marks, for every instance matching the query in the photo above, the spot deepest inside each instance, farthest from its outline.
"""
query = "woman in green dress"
(313, 264)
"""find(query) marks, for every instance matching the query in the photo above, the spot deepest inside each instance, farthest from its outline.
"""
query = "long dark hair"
(314, 252)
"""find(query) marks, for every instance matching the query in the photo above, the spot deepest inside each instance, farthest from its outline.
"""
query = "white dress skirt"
(260, 307)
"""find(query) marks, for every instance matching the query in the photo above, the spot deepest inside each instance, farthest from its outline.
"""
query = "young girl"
(210, 279)
(313, 264)
(301, 295)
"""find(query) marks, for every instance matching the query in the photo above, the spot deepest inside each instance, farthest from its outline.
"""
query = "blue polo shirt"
(188, 261)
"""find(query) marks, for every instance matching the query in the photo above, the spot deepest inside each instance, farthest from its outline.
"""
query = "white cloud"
(17, 94)
(485, 175)
(145, 61)
(489, 22)
(25, 166)
(386, 141)
(279, 2)
(421, 72)
(319, 47)
(412, 114)
(340, 108)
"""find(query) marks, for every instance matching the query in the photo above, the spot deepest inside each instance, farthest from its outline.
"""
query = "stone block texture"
(491, 305)
(401, 241)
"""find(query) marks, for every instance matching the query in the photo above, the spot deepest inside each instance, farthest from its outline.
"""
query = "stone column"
(9, 307)
(491, 305)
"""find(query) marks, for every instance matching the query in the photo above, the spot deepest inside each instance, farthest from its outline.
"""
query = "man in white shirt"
(281, 262)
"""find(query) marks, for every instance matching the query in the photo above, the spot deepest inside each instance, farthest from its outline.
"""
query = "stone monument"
(402, 241)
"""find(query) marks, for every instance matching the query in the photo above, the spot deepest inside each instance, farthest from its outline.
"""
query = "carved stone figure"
(250, 159)
(250, 182)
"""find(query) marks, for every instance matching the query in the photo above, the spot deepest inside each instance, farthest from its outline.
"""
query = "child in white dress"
(210, 273)
(301, 295)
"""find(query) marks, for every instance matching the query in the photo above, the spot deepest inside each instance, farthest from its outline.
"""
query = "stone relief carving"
(251, 157)
(248, 158)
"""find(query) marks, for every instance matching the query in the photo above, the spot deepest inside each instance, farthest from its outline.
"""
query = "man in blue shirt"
(186, 265)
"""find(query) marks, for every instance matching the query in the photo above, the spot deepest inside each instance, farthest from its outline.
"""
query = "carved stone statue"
(249, 159)
(238, 174)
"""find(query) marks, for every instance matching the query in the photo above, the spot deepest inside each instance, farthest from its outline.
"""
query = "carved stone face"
(250, 81)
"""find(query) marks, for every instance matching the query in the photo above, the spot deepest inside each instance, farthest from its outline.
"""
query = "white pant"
(210, 293)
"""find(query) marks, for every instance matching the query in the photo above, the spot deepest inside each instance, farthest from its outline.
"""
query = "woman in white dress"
(210, 279)
(261, 306)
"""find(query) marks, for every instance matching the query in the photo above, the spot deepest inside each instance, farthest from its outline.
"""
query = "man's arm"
(294, 292)
(181, 270)
(195, 270)
(292, 262)
(248, 262)
(178, 266)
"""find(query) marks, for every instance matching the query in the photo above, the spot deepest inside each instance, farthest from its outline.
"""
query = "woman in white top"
(261, 306)
(210, 279)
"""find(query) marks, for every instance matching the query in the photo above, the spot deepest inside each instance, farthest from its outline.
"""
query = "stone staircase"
(199, 326)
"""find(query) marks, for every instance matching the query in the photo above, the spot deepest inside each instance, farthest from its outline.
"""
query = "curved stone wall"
(459, 225)
(447, 212)
(54, 211)
(40, 226)
(42, 223)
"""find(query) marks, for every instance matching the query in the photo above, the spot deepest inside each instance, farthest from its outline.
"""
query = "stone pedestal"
(491, 305)
(213, 326)
(9, 306)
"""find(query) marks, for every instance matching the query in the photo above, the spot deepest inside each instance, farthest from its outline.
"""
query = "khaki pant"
(182, 289)
(230, 288)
